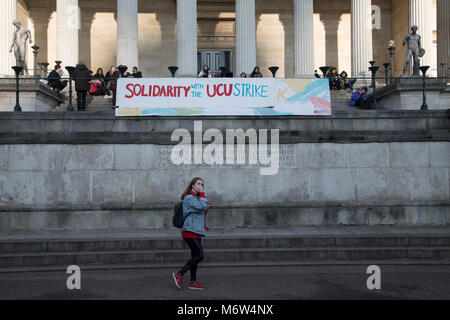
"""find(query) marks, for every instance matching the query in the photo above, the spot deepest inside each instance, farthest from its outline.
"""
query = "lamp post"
(391, 48)
(374, 70)
(173, 70)
(71, 70)
(274, 70)
(35, 53)
(324, 70)
(386, 69)
(17, 70)
(424, 70)
(45, 65)
(58, 62)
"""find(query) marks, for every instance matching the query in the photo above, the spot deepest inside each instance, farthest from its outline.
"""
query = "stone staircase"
(55, 250)
(93, 105)
(339, 104)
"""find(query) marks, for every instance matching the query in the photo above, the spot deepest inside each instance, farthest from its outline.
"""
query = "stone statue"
(415, 51)
(19, 44)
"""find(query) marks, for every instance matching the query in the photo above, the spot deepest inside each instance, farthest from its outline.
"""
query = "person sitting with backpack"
(194, 209)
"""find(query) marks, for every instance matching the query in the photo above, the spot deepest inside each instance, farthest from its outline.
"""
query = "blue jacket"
(195, 222)
(355, 97)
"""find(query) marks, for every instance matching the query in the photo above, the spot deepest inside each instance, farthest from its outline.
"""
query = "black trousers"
(196, 257)
(114, 93)
(59, 85)
(363, 104)
(81, 100)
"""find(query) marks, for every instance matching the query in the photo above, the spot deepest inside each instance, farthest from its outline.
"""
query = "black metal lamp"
(424, 70)
(324, 70)
(71, 70)
(274, 70)
(374, 70)
(386, 66)
(173, 70)
(17, 70)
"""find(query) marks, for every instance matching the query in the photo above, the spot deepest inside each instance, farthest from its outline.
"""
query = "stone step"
(162, 257)
(165, 247)
(245, 241)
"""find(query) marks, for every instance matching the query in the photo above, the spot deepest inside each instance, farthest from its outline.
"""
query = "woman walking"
(195, 208)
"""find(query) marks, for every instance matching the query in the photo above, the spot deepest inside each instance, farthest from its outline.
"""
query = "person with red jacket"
(195, 209)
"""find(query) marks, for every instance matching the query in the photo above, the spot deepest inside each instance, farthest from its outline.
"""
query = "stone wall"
(56, 173)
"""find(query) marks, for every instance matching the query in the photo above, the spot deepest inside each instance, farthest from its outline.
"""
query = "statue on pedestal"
(415, 51)
(19, 44)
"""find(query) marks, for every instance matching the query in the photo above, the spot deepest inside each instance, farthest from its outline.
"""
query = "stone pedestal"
(35, 95)
(407, 94)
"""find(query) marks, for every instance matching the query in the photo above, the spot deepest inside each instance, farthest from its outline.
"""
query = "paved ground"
(259, 283)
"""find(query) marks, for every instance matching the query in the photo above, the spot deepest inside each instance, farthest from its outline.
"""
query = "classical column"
(420, 14)
(187, 38)
(40, 18)
(304, 38)
(443, 34)
(67, 26)
(8, 13)
(331, 23)
(361, 37)
(167, 54)
(127, 33)
(245, 36)
(286, 20)
(87, 17)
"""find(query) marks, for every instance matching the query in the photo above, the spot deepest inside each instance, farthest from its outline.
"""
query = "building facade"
(298, 36)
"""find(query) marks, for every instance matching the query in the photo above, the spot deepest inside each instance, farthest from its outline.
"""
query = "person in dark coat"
(256, 73)
(54, 79)
(114, 77)
(136, 73)
(82, 77)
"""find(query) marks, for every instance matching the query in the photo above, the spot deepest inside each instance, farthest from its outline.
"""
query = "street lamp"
(173, 70)
(71, 70)
(274, 70)
(424, 70)
(386, 69)
(35, 53)
(324, 70)
(391, 48)
(17, 70)
(374, 70)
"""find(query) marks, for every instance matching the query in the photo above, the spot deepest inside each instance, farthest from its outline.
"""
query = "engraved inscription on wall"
(287, 157)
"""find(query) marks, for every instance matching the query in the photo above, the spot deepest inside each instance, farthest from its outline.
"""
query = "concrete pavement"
(225, 283)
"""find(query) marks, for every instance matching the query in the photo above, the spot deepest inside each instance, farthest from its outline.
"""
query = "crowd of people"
(206, 73)
(338, 81)
(97, 84)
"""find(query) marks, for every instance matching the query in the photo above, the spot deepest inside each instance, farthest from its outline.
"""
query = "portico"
(292, 34)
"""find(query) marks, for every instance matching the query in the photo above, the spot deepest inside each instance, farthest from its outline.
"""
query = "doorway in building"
(216, 60)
